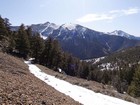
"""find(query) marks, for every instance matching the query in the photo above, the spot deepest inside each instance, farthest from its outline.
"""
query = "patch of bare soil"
(19, 87)
(92, 85)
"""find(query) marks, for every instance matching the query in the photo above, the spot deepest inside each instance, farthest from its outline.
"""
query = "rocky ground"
(19, 87)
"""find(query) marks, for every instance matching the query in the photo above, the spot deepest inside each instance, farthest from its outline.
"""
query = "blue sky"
(100, 15)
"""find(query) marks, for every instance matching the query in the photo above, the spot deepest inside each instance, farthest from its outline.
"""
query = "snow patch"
(80, 94)
(60, 70)
(108, 66)
(96, 60)
(31, 59)
(44, 37)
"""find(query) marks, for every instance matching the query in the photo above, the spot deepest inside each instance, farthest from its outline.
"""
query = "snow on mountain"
(48, 28)
(78, 93)
(120, 33)
(69, 26)
(95, 60)
(68, 31)
(44, 29)
(108, 66)
(49, 25)
(83, 42)
(123, 34)
(44, 37)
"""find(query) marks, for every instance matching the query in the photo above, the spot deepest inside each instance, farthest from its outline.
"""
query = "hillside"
(127, 57)
(120, 69)
(19, 87)
(92, 85)
(78, 93)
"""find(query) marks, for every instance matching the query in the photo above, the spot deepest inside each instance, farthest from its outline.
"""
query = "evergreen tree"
(4, 34)
(64, 61)
(12, 42)
(29, 32)
(83, 70)
(7, 25)
(52, 54)
(37, 46)
(70, 66)
(46, 55)
(3, 29)
(134, 88)
(23, 44)
(56, 54)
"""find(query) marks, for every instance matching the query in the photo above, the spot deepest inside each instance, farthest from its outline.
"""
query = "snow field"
(80, 94)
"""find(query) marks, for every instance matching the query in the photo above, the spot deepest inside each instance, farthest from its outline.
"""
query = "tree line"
(25, 43)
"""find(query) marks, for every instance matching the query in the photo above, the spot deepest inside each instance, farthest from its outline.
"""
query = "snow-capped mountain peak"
(44, 29)
(119, 33)
(123, 34)
(52, 25)
(47, 23)
(69, 26)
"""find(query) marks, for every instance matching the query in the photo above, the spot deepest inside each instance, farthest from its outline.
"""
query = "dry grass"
(19, 87)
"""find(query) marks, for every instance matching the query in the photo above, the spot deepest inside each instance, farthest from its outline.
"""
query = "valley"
(116, 73)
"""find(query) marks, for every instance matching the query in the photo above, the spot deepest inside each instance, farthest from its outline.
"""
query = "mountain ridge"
(83, 42)
(123, 34)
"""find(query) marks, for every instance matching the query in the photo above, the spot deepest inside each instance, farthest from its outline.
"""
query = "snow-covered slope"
(44, 29)
(80, 94)
(123, 34)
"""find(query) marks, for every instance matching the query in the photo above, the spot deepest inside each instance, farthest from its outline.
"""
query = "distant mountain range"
(83, 42)
(123, 34)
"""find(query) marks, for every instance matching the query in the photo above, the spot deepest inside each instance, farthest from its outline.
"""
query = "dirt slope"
(19, 87)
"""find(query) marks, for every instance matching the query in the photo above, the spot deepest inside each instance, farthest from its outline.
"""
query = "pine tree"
(4, 34)
(12, 42)
(63, 64)
(52, 54)
(56, 54)
(23, 44)
(29, 32)
(3, 29)
(45, 58)
(134, 88)
(83, 70)
(7, 25)
(37, 46)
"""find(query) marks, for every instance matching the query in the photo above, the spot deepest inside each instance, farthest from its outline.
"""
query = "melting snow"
(44, 37)
(60, 70)
(108, 66)
(96, 60)
(80, 94)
